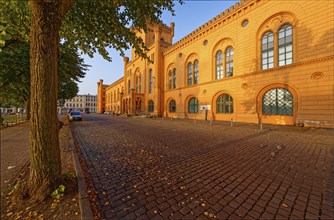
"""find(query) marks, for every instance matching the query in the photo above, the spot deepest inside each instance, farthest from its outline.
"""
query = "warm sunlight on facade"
(269, 61)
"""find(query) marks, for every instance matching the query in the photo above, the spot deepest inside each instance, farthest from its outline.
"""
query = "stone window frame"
(273, 24)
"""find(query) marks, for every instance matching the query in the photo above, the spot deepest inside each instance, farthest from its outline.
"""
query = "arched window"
(285, 45)
(137, 84)
(150, 81)
(140, 83)
(229, 62)
(190, 74)
(267, 50)
(224, 104)
(174, 78)
(219, 65)
(129, 86)
(277, 101)
(150, 106)
(170, 79)
(172, 106)
(193, 105)
(196, 72)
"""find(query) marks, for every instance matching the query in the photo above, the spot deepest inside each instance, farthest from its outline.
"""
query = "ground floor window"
(224, 104)
(193, 105)
(172, 106)
(150, 106)
(277, 101)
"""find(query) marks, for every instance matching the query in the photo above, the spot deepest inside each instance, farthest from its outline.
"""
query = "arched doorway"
(138, 105)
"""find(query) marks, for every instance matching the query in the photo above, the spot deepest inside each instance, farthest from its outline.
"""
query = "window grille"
(278, 101)
(172, 106)
(193, 105)
(224, 104)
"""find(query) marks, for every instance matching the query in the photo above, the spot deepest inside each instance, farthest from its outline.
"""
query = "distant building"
(101, 97)
(81, 103)
(258, 61)
(12, 110)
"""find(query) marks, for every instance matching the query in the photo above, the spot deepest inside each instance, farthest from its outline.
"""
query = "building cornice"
(120, 80)
(230, 14)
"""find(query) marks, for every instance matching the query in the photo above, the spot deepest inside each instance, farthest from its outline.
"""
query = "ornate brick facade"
(269, 61)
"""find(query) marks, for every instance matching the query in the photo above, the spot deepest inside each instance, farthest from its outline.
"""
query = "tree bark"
(45, 164)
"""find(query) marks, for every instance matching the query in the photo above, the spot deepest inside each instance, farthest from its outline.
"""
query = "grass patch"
(13, 118)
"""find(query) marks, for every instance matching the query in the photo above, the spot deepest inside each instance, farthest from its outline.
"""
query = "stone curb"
(86, 211)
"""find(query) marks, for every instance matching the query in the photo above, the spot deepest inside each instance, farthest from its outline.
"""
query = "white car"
(75, 116)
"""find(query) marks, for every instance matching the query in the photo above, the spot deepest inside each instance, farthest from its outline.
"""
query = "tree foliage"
(15, 74)
(91, 26)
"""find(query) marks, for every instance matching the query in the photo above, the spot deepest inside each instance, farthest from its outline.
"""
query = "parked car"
(75, 116)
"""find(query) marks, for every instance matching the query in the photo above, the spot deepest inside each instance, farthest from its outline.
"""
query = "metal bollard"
(261, 127)
(231, 122)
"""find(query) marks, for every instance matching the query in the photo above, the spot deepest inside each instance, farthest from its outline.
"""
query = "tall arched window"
(174, 78)
(219, 65)
(229, 62)
(150, 106)
(224, 104)
(285, 45)
(267, 50)
(150, 81)
(172, 106)
(129, 86)
(196, 72)
(139, 83)
(190, 74)
(170, 79)
(277, 101)
(193, 105)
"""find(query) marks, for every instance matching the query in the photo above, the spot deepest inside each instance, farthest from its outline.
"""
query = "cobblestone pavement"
(14, 152)
(178, 169)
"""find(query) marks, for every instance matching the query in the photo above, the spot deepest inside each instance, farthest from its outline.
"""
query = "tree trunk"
(45, 164)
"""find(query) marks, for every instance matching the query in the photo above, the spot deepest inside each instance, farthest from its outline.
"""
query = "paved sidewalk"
(14, 152)
(176, 169)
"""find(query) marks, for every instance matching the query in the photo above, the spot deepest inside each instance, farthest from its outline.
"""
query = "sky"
(188, 17)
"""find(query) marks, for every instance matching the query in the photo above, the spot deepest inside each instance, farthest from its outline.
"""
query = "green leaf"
(6, 37)
(61, 188)
(54, 193)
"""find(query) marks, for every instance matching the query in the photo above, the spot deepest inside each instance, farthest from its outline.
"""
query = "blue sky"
(189, 16)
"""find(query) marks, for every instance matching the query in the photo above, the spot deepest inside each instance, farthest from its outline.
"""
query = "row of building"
(258, 61)
(84, 103)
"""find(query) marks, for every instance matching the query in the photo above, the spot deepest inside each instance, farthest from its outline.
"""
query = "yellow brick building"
(259, 60)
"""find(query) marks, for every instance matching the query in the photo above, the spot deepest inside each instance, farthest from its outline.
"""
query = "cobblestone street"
(178, 169)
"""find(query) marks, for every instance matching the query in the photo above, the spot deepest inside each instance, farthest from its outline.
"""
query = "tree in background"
(90, 26)
(15, 75)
